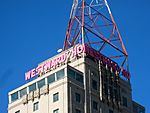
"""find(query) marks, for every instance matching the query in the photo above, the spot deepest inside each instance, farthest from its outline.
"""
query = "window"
(55, 97)
(95, 105)
(14, 96)
(51, 78)
(104, 71)
(56, 111)
(75, 75)
(111, 92)
(32, 87)
(108, 72)
(110, 111)
(17, 111)
(23, 92)
(78, 111)
(116, 94)
(111, 80)
(78, 98)
(124, 101)
(106, 89)
(105, 78)
(71, 73)
(60, 74)
(41, 83)
(35, 106)
(94, 84)
(79, 77)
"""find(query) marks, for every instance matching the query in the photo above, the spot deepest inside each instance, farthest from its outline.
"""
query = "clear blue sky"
(32, 30)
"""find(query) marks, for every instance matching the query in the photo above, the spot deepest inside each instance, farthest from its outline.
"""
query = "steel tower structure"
(92, 23)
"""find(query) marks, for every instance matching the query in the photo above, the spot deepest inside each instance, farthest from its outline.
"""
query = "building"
(137, 108)
(78, 80)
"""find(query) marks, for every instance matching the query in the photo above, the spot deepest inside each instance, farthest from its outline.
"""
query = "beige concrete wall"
(46, 104)
(67, 88)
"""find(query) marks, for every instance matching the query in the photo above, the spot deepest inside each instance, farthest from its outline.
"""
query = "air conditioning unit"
(31, 96)
(37, 93)
(25, 99)
(44, 90)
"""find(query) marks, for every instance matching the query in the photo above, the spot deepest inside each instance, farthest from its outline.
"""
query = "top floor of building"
(68, 64)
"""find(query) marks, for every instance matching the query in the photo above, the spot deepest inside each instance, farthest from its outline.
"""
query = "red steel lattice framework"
(92, 23)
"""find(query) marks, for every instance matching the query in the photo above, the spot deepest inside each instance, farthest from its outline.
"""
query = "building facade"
(75, 81)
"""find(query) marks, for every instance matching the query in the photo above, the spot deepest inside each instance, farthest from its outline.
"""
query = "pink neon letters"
(53, 63)
(70, 54)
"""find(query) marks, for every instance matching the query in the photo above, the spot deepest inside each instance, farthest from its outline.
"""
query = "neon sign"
(126, 74)
(70, 54)
(53, 63)
(92, 52)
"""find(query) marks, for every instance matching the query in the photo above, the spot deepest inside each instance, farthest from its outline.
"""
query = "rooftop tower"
(84, 77)
(92, 23)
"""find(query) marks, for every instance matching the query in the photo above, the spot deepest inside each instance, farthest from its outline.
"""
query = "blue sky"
(32, 30)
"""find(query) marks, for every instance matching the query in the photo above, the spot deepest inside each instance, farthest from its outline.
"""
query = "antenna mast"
(92, 23)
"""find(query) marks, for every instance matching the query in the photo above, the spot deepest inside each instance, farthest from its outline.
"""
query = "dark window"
(51, 78)
(60, 74)
(110, 111)
(95, 105)
(111, 80)
(55, 97)
(94, 84)
(36, 106)
(78, 98)
(104, 71)
(17, 111)
(108, 72)
(78, 111)
(23, 92)
(124, 101)
(106, 89)
(41, 83)
(79, 77)
(75, 75)
(116, 94)
(115, 84)
(110, 92)
(71, 73)
(56, 111)
(105, 78)
(14, 96)
(32, 87)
